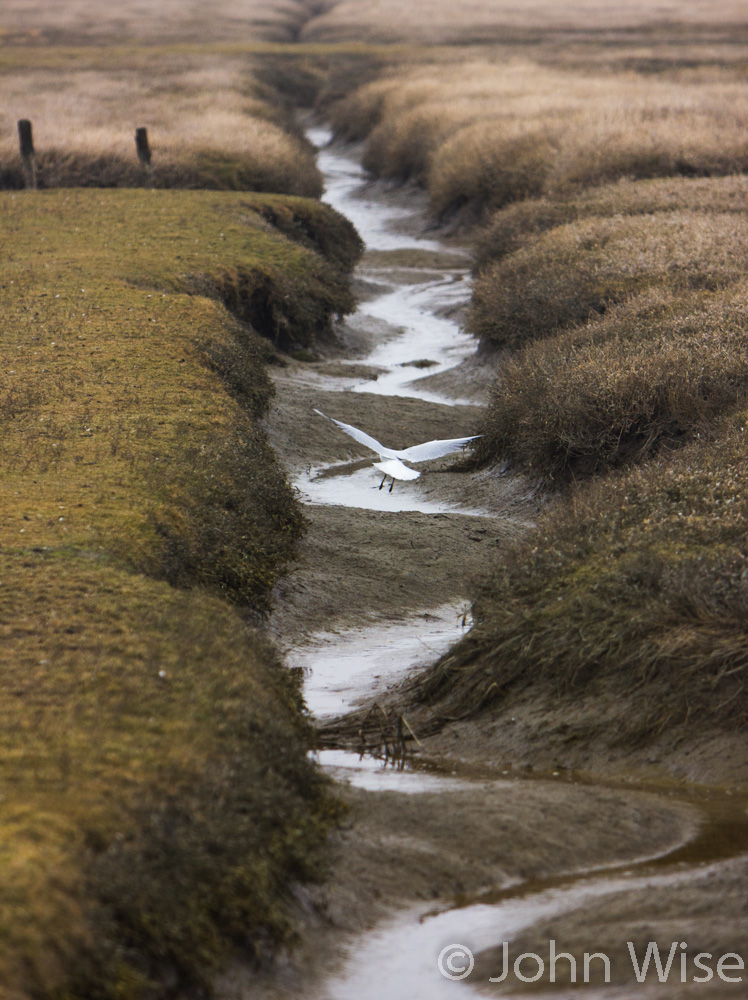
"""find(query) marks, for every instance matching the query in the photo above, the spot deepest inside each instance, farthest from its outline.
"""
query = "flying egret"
(392, 464)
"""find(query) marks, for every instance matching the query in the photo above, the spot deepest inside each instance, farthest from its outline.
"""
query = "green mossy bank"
(157, 801)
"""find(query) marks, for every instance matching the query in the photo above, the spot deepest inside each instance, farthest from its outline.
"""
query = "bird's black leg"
(382, 483)
(392, 484)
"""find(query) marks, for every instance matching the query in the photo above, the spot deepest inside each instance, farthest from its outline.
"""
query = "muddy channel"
(452, 856)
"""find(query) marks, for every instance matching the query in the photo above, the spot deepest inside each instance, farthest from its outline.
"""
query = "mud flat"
(372, 553)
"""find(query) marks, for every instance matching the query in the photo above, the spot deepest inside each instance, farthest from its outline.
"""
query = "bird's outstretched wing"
(361, 436)
(434, 449)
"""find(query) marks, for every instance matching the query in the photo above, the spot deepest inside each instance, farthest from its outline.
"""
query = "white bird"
(392, 464)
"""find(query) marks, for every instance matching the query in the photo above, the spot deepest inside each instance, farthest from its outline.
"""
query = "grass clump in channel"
(157, 799)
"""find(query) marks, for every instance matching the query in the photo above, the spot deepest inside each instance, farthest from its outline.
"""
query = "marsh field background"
(593, 155)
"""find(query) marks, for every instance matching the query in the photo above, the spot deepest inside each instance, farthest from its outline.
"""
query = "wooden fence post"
(144, 151)
(28, 156)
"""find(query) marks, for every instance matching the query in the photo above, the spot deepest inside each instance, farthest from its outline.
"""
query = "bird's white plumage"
(361, 436)
(434, 449)
(393, 466)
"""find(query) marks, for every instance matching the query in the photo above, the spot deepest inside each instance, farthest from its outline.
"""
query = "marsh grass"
(651, 373)
(94, 341)
(519, 224)
(631, 593)
(434, 22)
(157, 799)
(666, 359)
(582, 268)
(211, 124)
(480, 134)
(156, 794)
(87, 22)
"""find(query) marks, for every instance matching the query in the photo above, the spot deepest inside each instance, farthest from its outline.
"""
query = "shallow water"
(426, 336)
(346, 190)
(417, 336)
(345, 668)
(400, 959)
(339, 486)
(374, 775)
(415, 301)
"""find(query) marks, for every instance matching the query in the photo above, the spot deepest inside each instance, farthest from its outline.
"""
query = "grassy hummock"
(157, 799)
(480, 133)
(582, 268)
(625, 306)
(519, 224)
(650, 374)
(634, 589)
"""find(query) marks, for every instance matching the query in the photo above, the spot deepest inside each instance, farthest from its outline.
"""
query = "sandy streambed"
(451, 850)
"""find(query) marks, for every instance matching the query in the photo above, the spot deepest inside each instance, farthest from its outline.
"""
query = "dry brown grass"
(479, 135)
(442, 21)
(633, 591)
(582, 268)
(209, 120)
(77, 22)
(651, 373)
(521, 223)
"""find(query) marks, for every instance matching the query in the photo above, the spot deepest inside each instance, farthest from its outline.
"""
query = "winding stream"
(414, 305)
(398, 959)
(416, 309)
